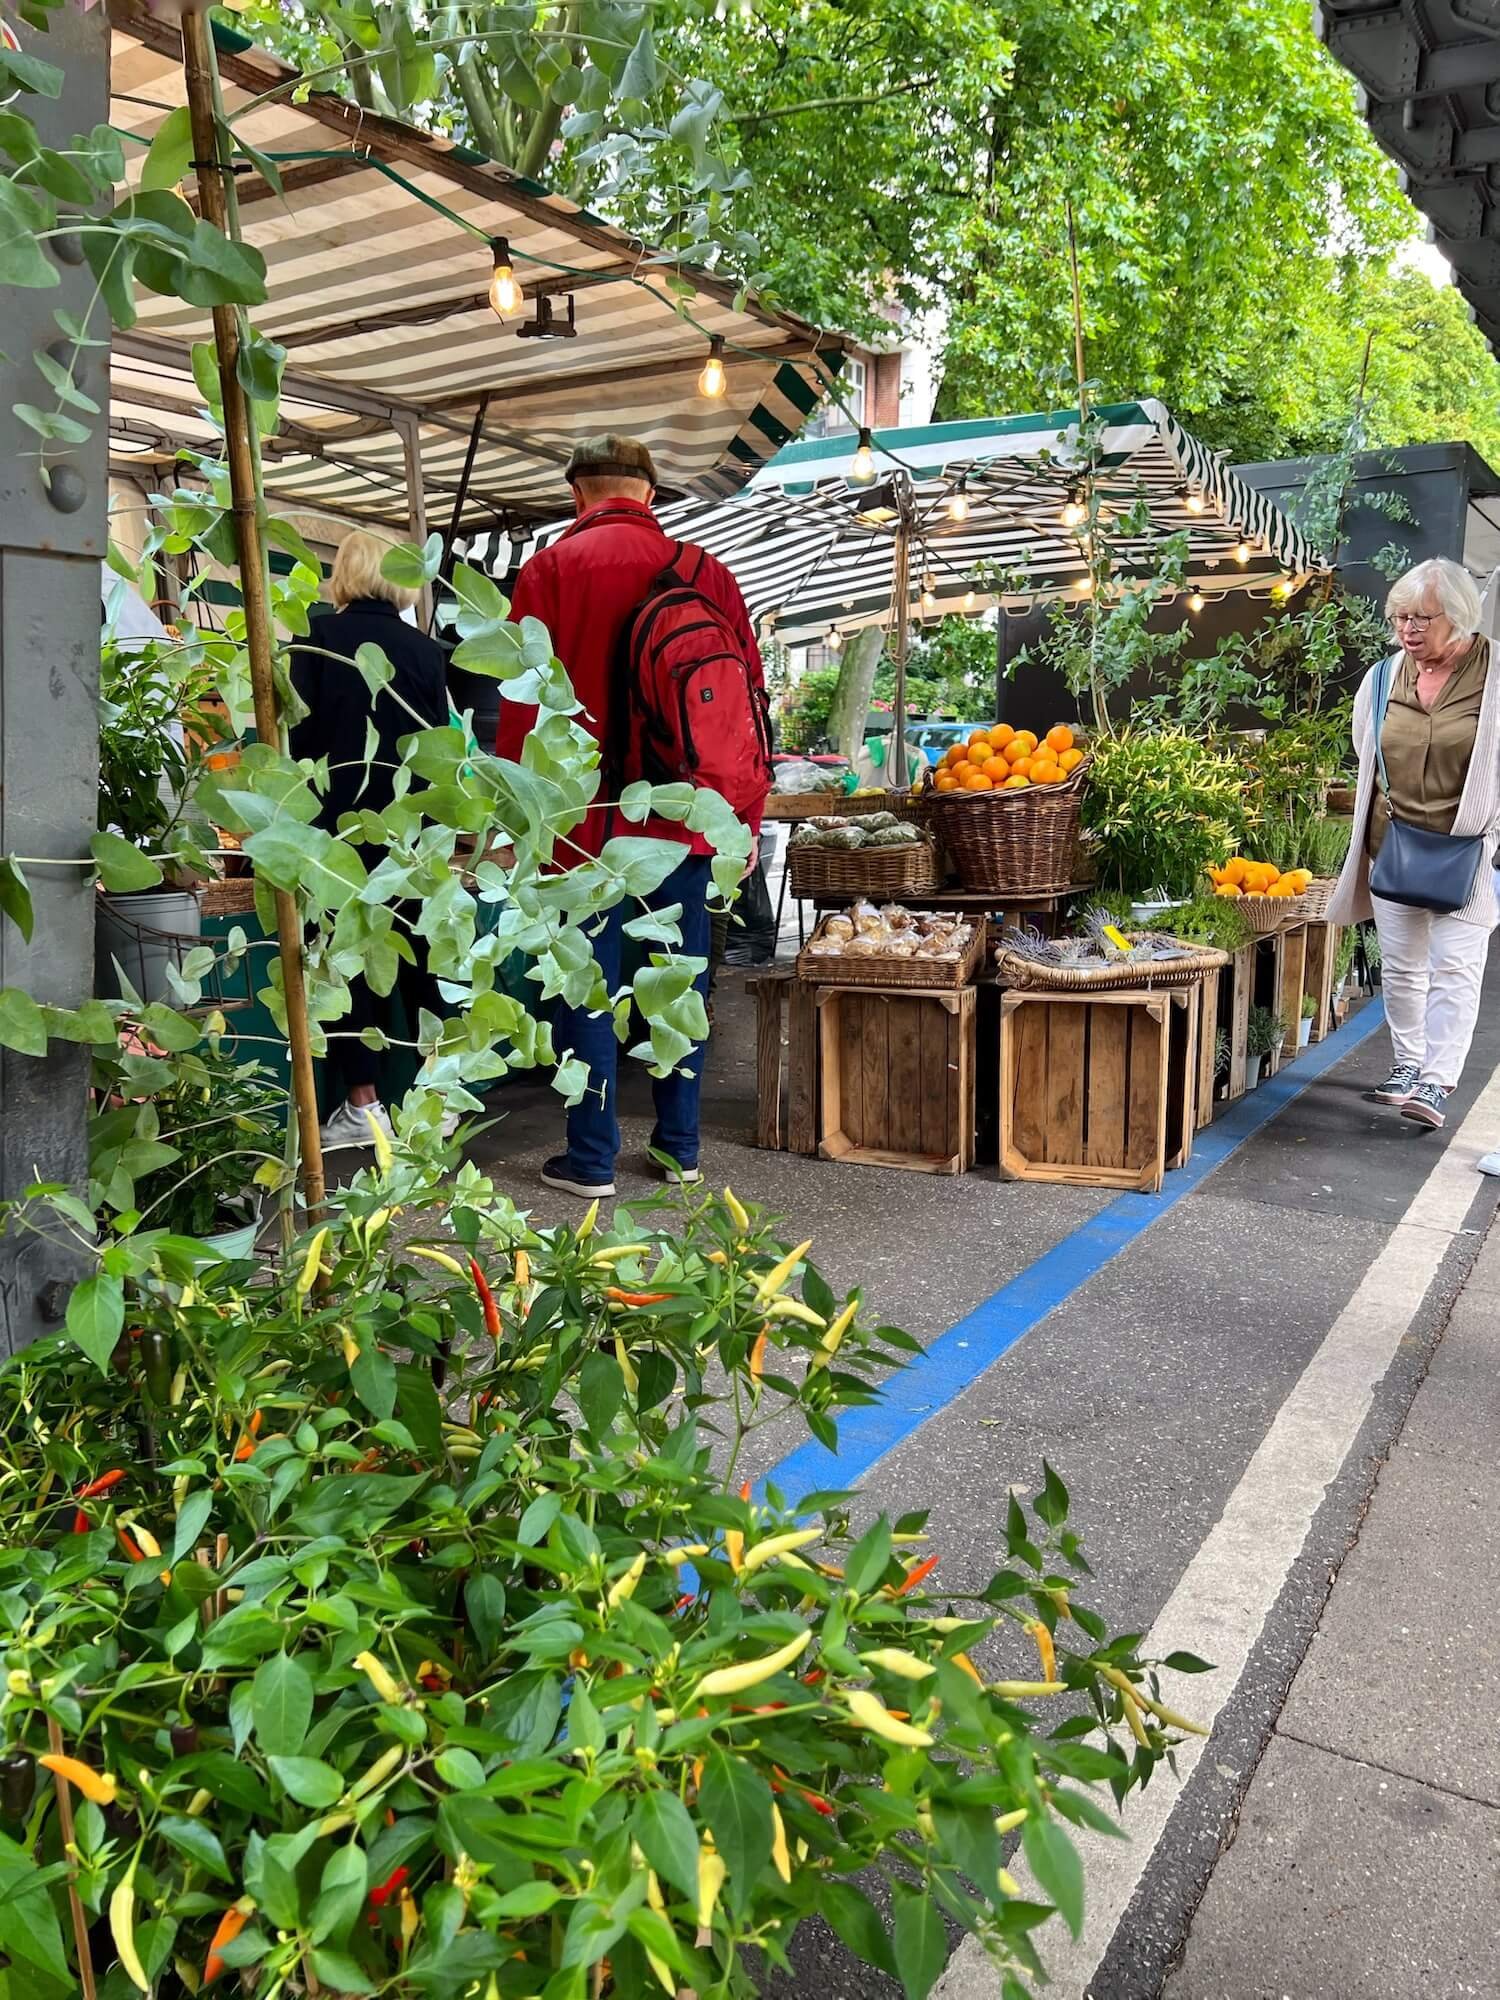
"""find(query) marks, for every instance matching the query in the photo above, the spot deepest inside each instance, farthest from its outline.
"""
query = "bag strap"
(1385, 675)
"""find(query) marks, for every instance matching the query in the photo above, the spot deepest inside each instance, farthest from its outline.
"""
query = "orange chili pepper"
(101, 1485)
(230, 1925)
(99, 1786)
(758, 1355)
(745, 1489)
(486, 1300)
(635, 1298)
(246, 1445)
(914, 1576)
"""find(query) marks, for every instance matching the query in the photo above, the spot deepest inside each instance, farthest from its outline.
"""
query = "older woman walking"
(1427, 813)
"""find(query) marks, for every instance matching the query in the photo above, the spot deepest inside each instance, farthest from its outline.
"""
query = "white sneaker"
(1490, 1164)
(350, 1126)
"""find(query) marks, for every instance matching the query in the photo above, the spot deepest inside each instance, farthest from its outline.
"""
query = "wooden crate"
(1322, 951)
(1236, 993)
(896, 1073)
(1098, 1090)
(786, 1113)
(1292, 952)
(1208, 1035)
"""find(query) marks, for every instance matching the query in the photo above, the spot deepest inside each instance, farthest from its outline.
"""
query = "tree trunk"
(851, 699)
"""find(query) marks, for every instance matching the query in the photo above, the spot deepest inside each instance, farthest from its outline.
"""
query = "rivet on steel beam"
(68, 249)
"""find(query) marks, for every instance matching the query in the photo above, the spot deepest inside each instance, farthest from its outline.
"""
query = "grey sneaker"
(1425, 1106)
(350, 1126)
(1398, 1086)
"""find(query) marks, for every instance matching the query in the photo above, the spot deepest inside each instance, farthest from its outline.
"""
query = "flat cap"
(611, 456)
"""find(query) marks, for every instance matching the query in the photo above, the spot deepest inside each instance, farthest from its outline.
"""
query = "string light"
(1195, 602)
(1084, 586)
(505, 293)
(1192, 499)
(862, 471)
(1242, 553)
(1074, 513)
(711, 381)
(969, 600)
(929, 591)
(835, 640)
(958, 506)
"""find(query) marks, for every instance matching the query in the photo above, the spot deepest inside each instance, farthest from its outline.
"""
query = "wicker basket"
(1315, 902)
(785, 806)
(863, 871)
(1268, 914)
(228, 896)
(1027, 976)
(1012, 843)
(930, 975)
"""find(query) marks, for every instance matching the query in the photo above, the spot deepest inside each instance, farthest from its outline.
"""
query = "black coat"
(340, 705)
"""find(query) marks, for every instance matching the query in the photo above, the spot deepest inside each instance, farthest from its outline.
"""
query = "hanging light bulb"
(711, 381)
(1074, 513)
(835, 640)
(1085, 586)
(1195, 602)
(1192, 499)
(862, 471)
(929, 592)
(969, 600)
(958, 506)
(1242, 553)
(505, 293)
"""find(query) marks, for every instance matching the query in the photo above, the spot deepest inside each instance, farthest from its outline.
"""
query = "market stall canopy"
(379, 292)
(1430, 73)
(813, 543)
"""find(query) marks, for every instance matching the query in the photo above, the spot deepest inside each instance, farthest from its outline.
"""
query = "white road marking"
(1225, 1595)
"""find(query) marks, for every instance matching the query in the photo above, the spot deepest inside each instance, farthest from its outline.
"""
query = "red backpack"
(692, 710)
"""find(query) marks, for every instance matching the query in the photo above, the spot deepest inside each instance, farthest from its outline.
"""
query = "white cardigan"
(1478, 809)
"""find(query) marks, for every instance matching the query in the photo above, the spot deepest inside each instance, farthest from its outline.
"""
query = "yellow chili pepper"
(905, 1666)
(963, 1661)
(711, 1874)
(122, 1930)
(872, 1714)
(716, 1257)
(777, 1276)
(350, 1346)
(615, 1253)
(437, 1257)
(658, 1902)
(1133, 1717)
(375, 1222)
(734, 1548)
(1008, 1822)
(100, 1786)
(199, 1803)
(750, 1673)
(758, 1355)
(624, 1586)
(310, 1265)
(833, 1339)
(777, 1545)
(383, 1154)
(632, 1380)
(522, 1270)
(379, 1771)
(1045, 1649)
(794, 1309)
(410, 1918)
(590, 1217)
(388, 1688)
(1167, 1715)
(739, 1215)
(1023, 1690)
(684, 1554)
(1008, 1882)
(779, 1854)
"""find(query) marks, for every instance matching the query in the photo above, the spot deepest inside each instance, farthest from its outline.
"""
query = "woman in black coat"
(340, 708)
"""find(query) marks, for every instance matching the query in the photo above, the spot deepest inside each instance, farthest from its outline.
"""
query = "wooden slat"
(1289, 991)
(851, 1014)
(1069, 1027)
(904, 1045)
(1104, 1135)
(1182, 1075)
(1031, 1029)
(1317, 977)
(830, 1125)
(802, 1062)
(963, 1067)
(1241, 990)
(1208, 1035)
(873, 1057)
(1146, 1087)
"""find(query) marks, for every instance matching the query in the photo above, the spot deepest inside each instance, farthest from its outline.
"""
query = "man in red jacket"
(584, 588)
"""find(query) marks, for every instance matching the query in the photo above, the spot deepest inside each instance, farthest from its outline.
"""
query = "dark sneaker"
(1398, 1086)
(1426, 1106)
(561, 1173)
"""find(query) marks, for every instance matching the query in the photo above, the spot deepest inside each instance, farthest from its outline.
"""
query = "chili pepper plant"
(397, 1620)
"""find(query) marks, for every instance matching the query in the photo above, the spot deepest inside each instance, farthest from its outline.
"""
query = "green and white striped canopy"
(808, 564)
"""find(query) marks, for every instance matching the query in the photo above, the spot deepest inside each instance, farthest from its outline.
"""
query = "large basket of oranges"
(1268, 899)
(1005, 805)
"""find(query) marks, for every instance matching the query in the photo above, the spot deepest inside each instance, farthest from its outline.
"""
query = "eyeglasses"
(1413, 620)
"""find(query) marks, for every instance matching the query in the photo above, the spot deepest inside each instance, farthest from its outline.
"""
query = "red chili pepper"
(81, 1522)
(914, 1576)
(486, 1300)
(819, 1805)
(101, 1485)
(390, 1887)
(745, 1490)
(684, 1601)
(130, 1545)
(636, 1298)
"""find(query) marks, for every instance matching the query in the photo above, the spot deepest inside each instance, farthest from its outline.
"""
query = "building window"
(834, 417)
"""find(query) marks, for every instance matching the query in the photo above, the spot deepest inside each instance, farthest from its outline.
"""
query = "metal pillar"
(416, 507)
(52, 537)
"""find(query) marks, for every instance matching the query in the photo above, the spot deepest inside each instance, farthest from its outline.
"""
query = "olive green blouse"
(1427, 751)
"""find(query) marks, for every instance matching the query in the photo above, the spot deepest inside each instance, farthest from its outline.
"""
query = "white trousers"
(1431, 972)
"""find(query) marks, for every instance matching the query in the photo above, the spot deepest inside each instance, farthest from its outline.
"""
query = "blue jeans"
(593, 1130)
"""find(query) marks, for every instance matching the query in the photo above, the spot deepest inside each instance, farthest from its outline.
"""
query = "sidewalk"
(1366, 1860)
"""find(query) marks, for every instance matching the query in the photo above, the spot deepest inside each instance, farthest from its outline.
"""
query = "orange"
(945, 782)
(1027, 737)
(1016, 783)
(1235, 871)
(1229, 889)
(1015, 750)
(963, 769)
(1001, 734)
(956, 755)
(978, 783)
(1060, 738)
(1069, 761)
(1019, 768)
(980, 755)
(1045, 773)
(977, 738)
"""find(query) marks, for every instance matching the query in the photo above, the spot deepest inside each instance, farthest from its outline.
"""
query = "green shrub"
(1160, 806)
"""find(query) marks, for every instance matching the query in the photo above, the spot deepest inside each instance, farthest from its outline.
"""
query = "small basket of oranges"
(1268, 898)
(1005, 805)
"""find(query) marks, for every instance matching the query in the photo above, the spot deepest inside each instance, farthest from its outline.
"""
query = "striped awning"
(378, 268)
(805, 559)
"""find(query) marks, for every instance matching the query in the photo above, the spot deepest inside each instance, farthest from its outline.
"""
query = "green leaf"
(869, 1559)
(373, 668)
(601, 1391)
(171, 151)
(736, 1801)
(374, 1379)
(22, 1024)
(669, 1840)
(641, 74)
(339, 1973)
(1051, 1504)
(1053, 1860)
(484, 1600)
(29, 1929)
(281, 1702)
(341, 1892)
(258, 366)
(920, 1943)
(198, 1842)
(307, 1779)
(538, 1518)
(410, 567)
(854, 1921)
(191, 1519)
(96, 1316)
(123, 867)
(1187, 1663)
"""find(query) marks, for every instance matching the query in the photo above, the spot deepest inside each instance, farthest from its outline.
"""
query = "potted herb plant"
(1264, 1034)
(1309, 1015)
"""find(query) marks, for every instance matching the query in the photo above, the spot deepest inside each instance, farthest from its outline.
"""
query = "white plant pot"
(138, 934)
(1304, 1031)
(228, 1246)
(1253, 1067)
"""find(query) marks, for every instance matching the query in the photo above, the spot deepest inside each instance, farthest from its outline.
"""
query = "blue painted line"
(960, 1356)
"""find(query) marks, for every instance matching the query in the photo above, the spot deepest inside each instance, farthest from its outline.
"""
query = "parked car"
(934, 739)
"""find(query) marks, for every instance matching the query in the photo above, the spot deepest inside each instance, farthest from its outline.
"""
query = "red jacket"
(583, 588)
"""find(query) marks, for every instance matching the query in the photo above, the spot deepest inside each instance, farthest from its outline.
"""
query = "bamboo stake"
(65, 1823)
(216, 191)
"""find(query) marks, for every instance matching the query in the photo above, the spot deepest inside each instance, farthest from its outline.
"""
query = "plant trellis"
(806, 559)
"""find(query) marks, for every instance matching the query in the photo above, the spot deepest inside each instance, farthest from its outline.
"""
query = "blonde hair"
(1449, 582)
(356, 573)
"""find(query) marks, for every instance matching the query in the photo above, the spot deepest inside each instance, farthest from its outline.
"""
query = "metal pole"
(901, 587)
(416, 507)
(216, 186)
(462, 494)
